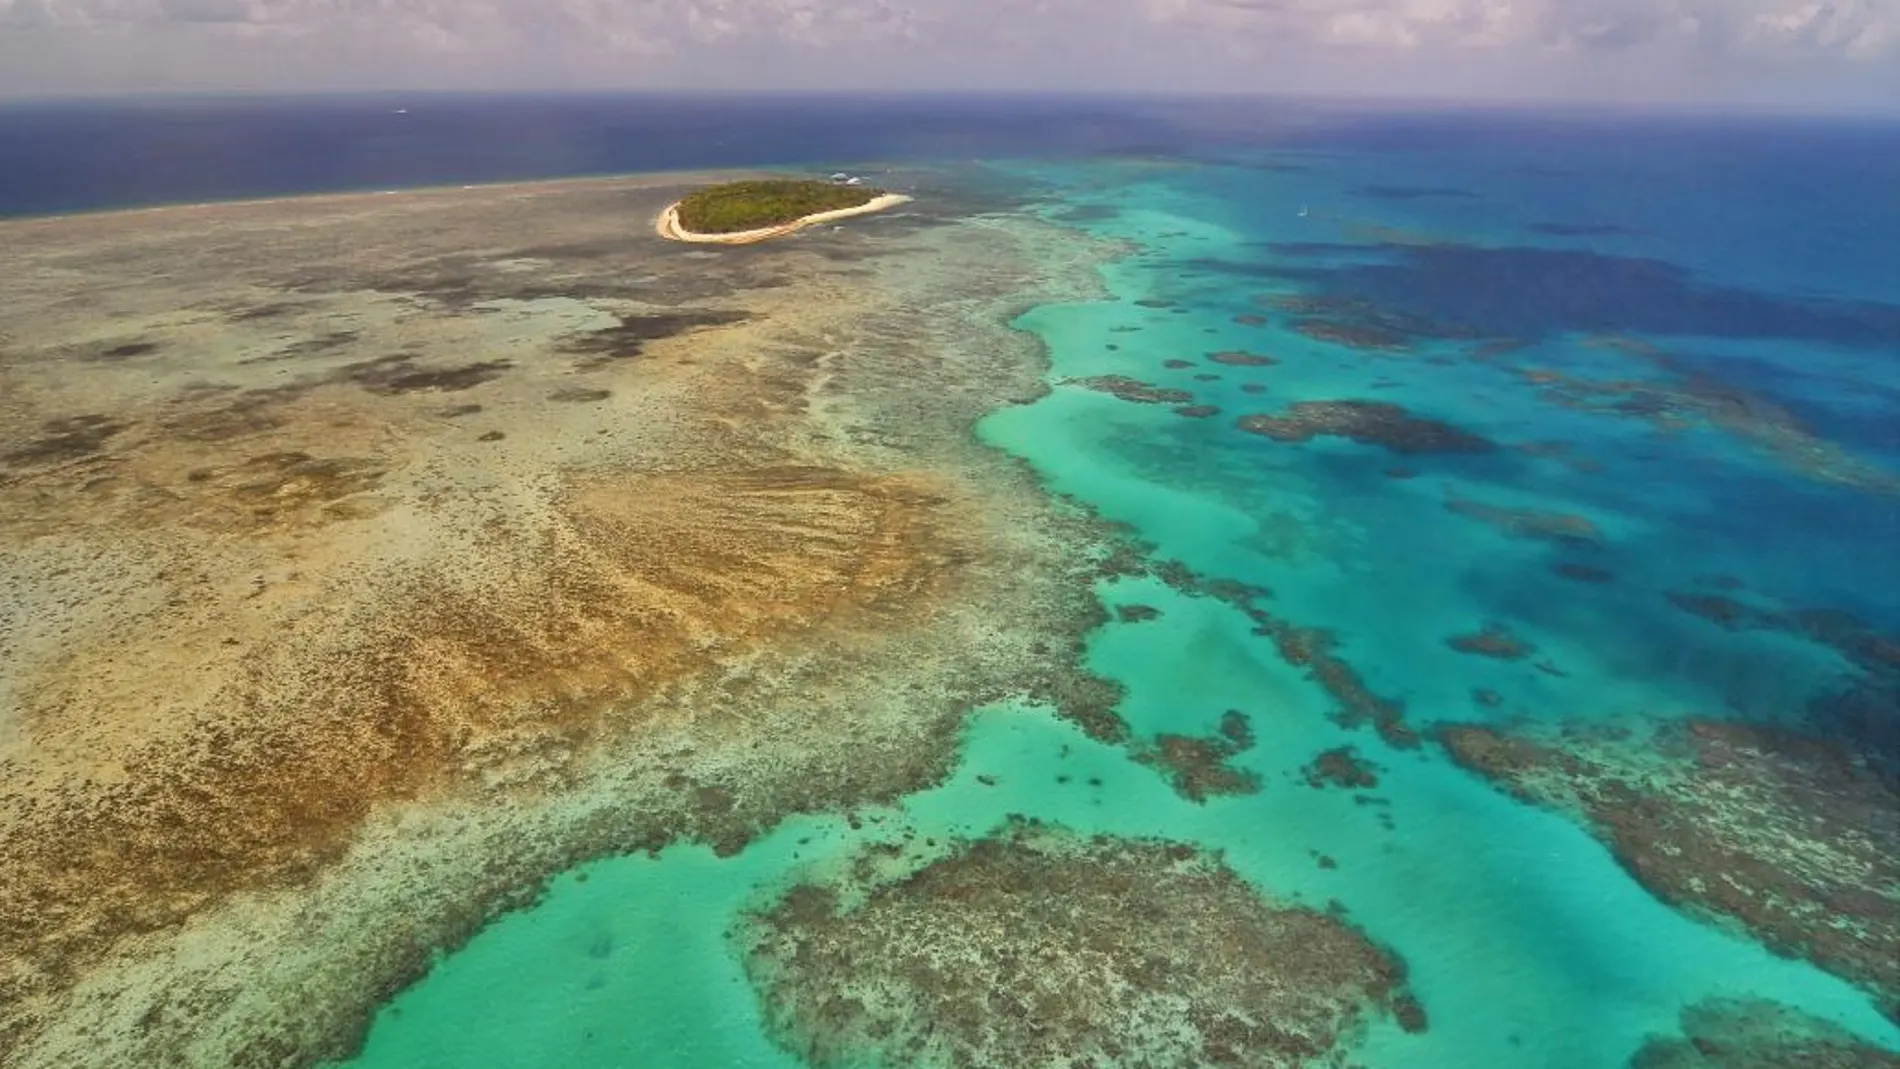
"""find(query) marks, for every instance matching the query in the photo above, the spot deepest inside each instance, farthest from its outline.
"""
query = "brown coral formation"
(1791, 837)
(1342, 767)
(1564, 528)
(1686, 396)
(303, 674)
(1495, 641)
(1377, 423)
(1372, 337)
(1039, 947)
(1197, 768)
(1870, 649)
(1241, 358)
(1755, 1034)
(1582, 573)
(1127, 389)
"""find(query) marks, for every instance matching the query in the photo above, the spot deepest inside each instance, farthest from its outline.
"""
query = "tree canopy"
(750, 205)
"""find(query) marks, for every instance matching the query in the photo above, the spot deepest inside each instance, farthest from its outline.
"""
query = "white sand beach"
(668, 224)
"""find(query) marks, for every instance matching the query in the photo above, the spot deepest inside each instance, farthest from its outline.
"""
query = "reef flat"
(365, 560)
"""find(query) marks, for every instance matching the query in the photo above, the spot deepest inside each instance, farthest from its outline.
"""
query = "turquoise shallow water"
(1527, 943)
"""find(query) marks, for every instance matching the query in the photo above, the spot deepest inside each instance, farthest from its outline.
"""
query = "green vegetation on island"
(751, 205)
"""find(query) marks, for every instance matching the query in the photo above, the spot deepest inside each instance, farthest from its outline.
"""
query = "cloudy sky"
(1795, 53)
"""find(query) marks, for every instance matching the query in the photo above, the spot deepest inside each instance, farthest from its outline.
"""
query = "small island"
(739, 213)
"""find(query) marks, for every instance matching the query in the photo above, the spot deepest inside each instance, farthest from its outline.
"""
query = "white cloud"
(80, 44)
(1855, 28)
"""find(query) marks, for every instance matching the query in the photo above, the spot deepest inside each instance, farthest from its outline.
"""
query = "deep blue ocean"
(1620, 392)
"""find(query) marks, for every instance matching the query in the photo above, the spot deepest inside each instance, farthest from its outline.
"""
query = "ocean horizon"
(109, 152)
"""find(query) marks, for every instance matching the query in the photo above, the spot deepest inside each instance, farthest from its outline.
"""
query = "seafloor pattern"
(1090, 613)
(1039, 947)
(381, 556)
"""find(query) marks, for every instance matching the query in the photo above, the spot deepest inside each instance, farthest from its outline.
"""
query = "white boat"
(1302, 211)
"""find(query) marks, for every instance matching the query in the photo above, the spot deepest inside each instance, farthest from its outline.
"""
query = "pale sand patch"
(668, 224)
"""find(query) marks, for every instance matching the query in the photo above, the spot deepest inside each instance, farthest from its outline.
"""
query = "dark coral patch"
(579, 395)
(1368, 422)
(1342, 767)
(628, 338)
(1495, 641)
(1197, 411)
(1757, 1034)
(1241, 358)
(1177, 364)
(1368, 336)
(60, 440)
(315, 345)
(1530, 292)
(1251, 319)
(1135, 614)
(127, 351)
(1237, 728)
(1562, 527)
(1582, 573)
(1873, 651)
(1042, 947)
(1791, 836)
(1197, 768)
(399, 374)
(1135, 390)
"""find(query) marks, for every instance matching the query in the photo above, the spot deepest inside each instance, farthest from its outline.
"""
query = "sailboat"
(1302, 211)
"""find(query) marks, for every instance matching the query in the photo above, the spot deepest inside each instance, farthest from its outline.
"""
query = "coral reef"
(1133, 390)
(1342, 767)
(1495, 641)
(1369, 422)
(1564, 528)
(1197, 768)
(1755, 1034)
(354, 607)
(1791, 837)
(1040, 947)
(1241, 358)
